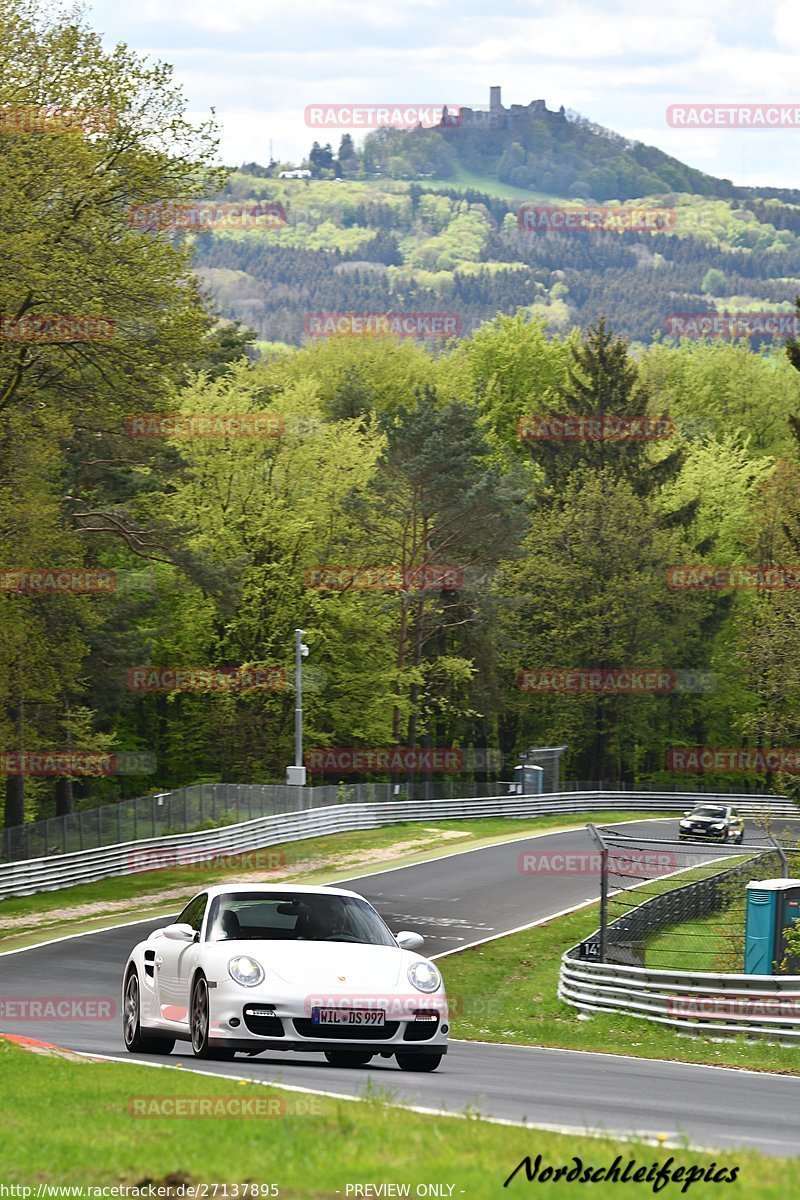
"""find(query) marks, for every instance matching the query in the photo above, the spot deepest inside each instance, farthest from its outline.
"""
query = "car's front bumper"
(247, 1024)
(262, 1045)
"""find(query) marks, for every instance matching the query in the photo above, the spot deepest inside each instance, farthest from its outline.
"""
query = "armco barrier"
(698, 1002)
(65, 870)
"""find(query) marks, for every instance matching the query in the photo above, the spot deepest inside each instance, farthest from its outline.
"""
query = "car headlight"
(245, 970)
(718, 825)
(424, 976)
(685, 824)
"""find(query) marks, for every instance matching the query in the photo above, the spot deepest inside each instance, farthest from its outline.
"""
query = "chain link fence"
(667, 904)
(207, 806)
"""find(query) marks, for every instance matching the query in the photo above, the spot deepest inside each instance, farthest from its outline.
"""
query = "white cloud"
(620, 63)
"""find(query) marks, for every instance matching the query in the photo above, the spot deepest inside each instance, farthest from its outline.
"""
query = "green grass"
(713, 943)
(507, 992)
(70, 1122)
(317, 860)
(491, 187)
(687, 947)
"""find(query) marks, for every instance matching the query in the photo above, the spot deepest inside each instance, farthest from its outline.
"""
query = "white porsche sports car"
(273, 967)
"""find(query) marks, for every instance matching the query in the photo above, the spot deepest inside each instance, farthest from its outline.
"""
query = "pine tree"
(603, 386)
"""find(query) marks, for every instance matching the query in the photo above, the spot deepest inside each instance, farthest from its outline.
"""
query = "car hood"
(333, 965)
(706, 820)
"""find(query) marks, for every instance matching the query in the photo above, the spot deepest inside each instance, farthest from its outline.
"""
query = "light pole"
(297, 774)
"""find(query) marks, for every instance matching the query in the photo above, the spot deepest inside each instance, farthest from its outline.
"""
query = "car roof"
(274, 888)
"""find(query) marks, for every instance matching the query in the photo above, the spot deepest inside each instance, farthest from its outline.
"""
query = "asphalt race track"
(455, 901)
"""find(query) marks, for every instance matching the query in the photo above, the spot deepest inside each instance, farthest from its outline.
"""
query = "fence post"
(781, 855)
(598, 838)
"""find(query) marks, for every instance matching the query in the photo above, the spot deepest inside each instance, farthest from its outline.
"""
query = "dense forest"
(379, 246)
(236, 489)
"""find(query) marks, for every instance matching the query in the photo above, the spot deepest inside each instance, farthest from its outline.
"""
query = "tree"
(436, 501)
(348, 158)
(515, 370)
(591, 592)
(100, 313)
(321, 158)
(714, 282)
(602, 385)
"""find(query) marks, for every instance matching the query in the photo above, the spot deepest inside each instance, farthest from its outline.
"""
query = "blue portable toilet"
(528, 780)
(772, 906)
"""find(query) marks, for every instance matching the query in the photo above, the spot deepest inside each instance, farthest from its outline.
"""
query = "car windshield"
(293, 916)
(708, 810)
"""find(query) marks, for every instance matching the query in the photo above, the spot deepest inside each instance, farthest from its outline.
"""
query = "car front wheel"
(135, 1041)
(418, 1062)
(199, 1022)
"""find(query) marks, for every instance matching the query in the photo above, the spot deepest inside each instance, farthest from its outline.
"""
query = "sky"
(259, 63)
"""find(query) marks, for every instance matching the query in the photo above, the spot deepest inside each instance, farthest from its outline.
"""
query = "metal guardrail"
(206, 805)
(56, 871)
(184, 810)
(757, 1005)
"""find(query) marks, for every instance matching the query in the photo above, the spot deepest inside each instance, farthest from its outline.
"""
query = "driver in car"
(323, 924)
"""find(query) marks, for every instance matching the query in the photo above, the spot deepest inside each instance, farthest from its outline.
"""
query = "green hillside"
(378, 245)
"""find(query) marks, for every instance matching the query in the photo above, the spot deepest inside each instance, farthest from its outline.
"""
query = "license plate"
(348, 1016)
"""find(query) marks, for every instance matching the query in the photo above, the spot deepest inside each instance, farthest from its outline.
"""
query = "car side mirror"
(688, 812)
(407, 940)
(179, 933)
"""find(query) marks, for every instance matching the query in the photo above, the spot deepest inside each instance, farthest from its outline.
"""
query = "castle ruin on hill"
(496, 116)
